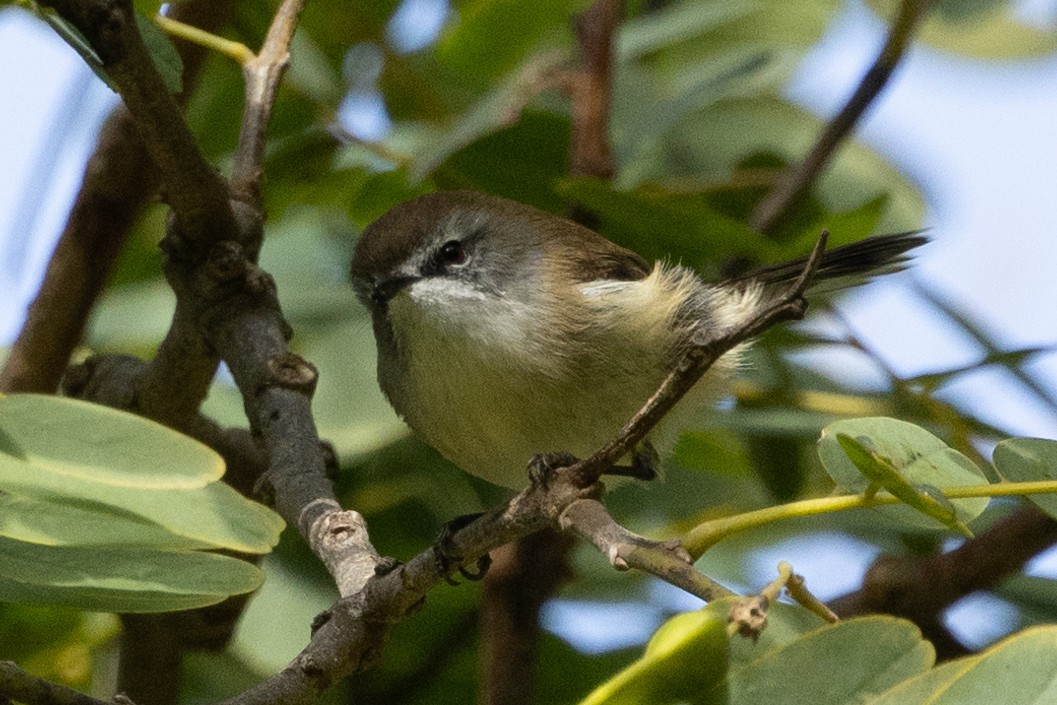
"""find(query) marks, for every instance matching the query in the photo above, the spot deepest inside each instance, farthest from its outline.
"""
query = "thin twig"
(667, 560)
(773, 210)
(790, 306)
(262, 73)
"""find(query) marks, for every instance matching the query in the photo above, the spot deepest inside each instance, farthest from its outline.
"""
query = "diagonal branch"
(791, 188)
(118, 180)
(790, 306)
(197, 193)
(262, 74)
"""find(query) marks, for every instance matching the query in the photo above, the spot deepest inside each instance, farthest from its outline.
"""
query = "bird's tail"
(841, 267)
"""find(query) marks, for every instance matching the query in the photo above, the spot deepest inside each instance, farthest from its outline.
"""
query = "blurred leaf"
(520, 162)
(962, 10)
(643, 117)
(1021, 668)
(56, 643)
(133, 317)
(711, 147)
(919, 457)
(162, 52)
(1028, 460)
(115, 580)
(986, 29)
(272, 629)
(350, 409)
(658, 223)
(1034, 596)
(490, 37)
(498, 108)
(685, 661)
(836, 664)
(687, 43)
(676, 22)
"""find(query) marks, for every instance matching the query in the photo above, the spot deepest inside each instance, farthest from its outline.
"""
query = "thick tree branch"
(226, 306)
(791, 188)
(920, 589)
(29, 689)
(118, 180)
(197, 193)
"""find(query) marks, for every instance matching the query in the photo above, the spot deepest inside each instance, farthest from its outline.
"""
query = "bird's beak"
(385, 288)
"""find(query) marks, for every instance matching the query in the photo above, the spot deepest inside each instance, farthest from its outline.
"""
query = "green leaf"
(1021, 668)
(1028, 460)
(520, 162)
(68, 521)
(162, 52)
(132, 317)
(712, 147)
(120, 580)
(497, 109)
(350, 409)
(675, 23)
(921, 459)
(491, 36)
(74, 438)
(986, 29)
(879, 471)
(684, 661)
(835, 665)
(122, 468)
(215, 515)
(920, 688)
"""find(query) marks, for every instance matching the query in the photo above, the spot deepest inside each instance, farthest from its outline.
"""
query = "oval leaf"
(834, 665)
(1021, 668)
(684, 661)
(215, 515)
(68, 522)
(1028, 460)
(69, 437)
(921, 459)
(120, 580)
(928, 500)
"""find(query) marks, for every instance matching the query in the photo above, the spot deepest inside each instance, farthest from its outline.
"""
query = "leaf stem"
(705, 535)
(235, 50)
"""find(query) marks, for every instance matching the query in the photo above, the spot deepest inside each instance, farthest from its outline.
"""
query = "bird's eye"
(452, 252)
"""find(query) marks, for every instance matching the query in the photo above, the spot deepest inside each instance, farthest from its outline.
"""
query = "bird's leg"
(645, 464)
(446, 556)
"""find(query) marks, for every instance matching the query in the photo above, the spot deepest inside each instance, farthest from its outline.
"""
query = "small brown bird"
(504, 331)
